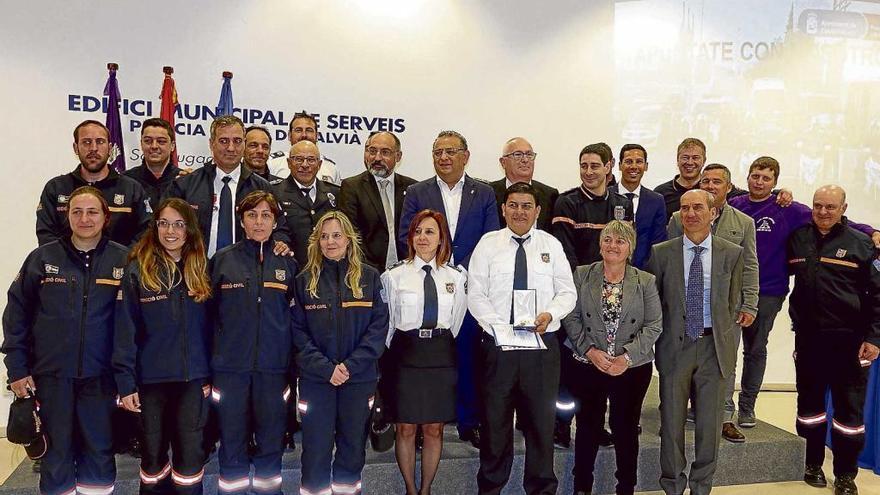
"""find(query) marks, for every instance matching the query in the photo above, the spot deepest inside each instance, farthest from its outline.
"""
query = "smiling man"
(156, 172)
(518, 162)
(648, 206)
(304, 126)
(257, 146)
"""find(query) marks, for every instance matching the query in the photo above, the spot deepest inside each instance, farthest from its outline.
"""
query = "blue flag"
(224, 106)
(117, 150)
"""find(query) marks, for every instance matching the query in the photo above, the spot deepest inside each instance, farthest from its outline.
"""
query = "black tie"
(306, 191)
(520, 270)
(429, 315)
(224, 225)
(630, 196)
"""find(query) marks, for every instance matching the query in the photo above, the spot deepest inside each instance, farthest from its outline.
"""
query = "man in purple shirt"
(773, 224)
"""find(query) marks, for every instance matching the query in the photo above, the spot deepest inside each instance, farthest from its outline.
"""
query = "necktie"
(429, 314)
(520, 270)
(224, 221)
(630, 196)
(305, 191)
(391, 253)
(693, 300)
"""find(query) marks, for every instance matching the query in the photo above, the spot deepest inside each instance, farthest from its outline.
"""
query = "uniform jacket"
(836, 283)
(667, 264)
(154, 187)
(162, 336)
(252, 293)
(578, 218)
(546, 200)
(650, 224)
(130, 211)
(59, 315)
(335, 327)
(299, 216)
(362, 204)
(738, 228)
(640, 314)
(477, 215)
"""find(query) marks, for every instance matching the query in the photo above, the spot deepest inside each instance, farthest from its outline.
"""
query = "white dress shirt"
(490, 277)
(635, 200)
(451, 202)
(215, 210)
(404, 287)
(390, 180)
(313, 189)
(706, 258)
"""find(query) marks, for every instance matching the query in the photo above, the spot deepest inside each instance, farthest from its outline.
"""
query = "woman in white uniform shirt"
(427, 303)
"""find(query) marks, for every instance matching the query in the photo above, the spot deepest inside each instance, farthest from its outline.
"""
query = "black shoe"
(420, 438)
(562, 436)
(605, 438)
(845, 485)
(814, 476)
(472, 436)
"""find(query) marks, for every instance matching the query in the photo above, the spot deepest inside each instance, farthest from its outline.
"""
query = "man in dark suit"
(364, 198)
(518, 162)
(303, 198)
(699, 278)
(470, 210)
(649, 206)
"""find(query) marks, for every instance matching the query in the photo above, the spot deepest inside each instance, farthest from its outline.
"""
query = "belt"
(706, 332)
(424, 333)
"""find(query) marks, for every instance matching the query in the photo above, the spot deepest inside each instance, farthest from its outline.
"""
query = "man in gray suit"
(737, 227)
(697, 348)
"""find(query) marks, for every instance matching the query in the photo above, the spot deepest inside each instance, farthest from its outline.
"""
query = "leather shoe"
(814, 476)
(731, 433)
(845, 485)
(472, 436)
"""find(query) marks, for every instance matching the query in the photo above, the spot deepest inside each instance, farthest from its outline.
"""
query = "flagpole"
(169, 104)
(113, 122)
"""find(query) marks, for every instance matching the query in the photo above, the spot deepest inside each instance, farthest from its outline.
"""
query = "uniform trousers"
(467, 403)
(77, 417)
(829, 360)
(566, 402)
(251, 405)
(525, 381)
(334, 417)
(173, 415)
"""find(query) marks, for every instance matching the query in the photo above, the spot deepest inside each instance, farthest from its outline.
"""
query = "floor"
(776, 408)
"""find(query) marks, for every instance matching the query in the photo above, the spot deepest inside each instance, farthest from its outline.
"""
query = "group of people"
(234, 297)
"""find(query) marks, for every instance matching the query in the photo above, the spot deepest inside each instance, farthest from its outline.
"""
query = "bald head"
(829, 205)
(304, 162)
(696, 213)
(518, 169)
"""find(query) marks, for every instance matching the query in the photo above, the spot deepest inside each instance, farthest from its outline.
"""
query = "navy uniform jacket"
(59, 316)
(162, 336)
(130, 211)
(336, 328)
(154, 187)
(252, 293)
(197, 189)
(477, 215)
(836, 283)
(299, 216)
(650, 224)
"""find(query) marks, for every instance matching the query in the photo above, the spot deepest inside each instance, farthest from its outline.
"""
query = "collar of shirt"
(688, 244)
(444, 186)
(528, 234)
(377, 179)
(622, 189)
(235, 174)
(592, 197)
(418, 263)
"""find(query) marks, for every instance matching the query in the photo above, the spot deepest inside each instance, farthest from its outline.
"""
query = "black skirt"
(424, 378)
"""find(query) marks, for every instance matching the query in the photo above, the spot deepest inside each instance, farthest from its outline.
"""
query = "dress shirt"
(451, 202)
(404, 286)
(490, 277)
(390, 180)
(313, 189)
(215, 210)
(635, 199)
(706, 257)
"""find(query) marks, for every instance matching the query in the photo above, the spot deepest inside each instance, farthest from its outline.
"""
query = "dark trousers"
(625, 393)
(829, 361)
(754, 345)
(467, 402)
(251, 405)
(525, 381)
(334, 417)
(77, 417)
(173, 415)
(566, 403)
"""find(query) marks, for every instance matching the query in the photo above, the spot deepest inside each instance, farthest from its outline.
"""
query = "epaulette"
(450, 265)
(396, 264)
(275, 182)
(484, 181)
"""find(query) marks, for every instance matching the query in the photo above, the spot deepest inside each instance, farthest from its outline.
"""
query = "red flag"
(169, 104)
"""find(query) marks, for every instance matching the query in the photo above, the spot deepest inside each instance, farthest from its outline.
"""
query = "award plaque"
(525, 305)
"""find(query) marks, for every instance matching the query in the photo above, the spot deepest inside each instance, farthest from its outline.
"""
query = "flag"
(169, 104)
(117, 150)
(224, 106)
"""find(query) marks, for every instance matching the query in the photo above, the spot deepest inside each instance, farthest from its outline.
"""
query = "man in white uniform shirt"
(519, 259)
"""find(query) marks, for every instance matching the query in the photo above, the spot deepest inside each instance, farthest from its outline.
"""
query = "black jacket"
(162, 336)
(547, 197)
(59, 315)
(130, 211)
(252, 293)
(154, 187)
(336, 328)
(299, 216)
(579, 217)
(836, 283)
(197, 189)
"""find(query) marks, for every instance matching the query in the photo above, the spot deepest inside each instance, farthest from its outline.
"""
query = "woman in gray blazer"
(612, 331)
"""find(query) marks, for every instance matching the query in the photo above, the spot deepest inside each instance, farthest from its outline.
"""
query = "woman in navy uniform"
(58, 338)
(252, 292)
(340, 322)
(162, 348)
(427, 303)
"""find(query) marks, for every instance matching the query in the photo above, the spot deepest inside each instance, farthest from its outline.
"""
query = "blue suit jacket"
(650, 224)
(477, 215)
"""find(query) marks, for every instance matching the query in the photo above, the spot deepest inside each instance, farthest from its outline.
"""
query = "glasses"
(450, 152)
(311, 160)
(384, 152)
(519, 155)
(165, 224)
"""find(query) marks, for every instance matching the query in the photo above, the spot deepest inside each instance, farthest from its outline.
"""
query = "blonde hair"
(354, 253)
(623, 230)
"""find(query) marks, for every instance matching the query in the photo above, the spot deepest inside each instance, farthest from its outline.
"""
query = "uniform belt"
(706, 332)
(424, 333)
